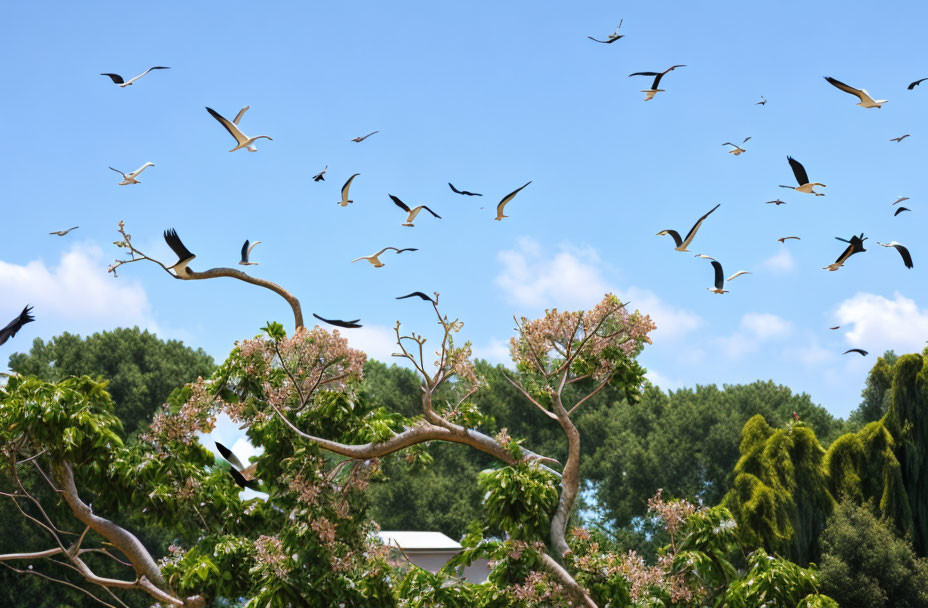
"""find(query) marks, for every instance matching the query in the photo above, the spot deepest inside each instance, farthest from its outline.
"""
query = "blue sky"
(487, 96)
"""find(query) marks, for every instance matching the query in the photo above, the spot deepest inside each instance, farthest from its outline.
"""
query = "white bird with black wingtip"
(865, 100)
(246, 253)
(241, 140)
(129, 178)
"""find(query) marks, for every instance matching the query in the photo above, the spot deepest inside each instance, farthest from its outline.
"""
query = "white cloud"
(495, 351)
(77, 294)
(661, 381)
(782, 262)
(377, 341)
(754, 329)
(879, 323)
(572, 278)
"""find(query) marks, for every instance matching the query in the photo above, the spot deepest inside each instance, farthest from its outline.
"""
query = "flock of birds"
(855, 244)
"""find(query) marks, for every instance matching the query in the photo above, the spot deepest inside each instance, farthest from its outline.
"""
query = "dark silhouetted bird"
(16, 324)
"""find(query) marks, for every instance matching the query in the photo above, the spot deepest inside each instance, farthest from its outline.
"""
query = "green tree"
(141, 369)
(876, 394)
(865, 564)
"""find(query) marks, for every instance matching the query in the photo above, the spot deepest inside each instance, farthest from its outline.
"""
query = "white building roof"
(418, 541)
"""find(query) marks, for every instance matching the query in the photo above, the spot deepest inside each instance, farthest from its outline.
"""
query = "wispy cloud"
(754, 329)
(878, 323)
(780, 263)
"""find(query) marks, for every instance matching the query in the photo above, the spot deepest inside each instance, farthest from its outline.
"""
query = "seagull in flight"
(117, 79)
(762, 102)
(865, 100)
(417, 294)
(900, 199)
(16, 324)
(803, 178)
(339, 323)
(129, 178)
(900, 210)
(916, 83)
(320, 177)
(246, 253)
(856, 245)
(64, 232)
(682, 244)
(375, 260)
(612, 37)
(783, 239)
(360, 139)
(344, 202)
(242, 140)
(464, 192)
(654, 90)
(900, 138)
(184, 256)
(777, 202)
(506, 199)
(720, 278)
(860, 351)
(906, 256)
(736, 150)
(412, 212)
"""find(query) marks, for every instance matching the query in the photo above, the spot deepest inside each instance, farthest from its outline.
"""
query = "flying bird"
(344, 202)
(856, 245)
(650, 93)
(783, 239)
(906, 256)
(900, 210)
(16, 324)
(916, 83)
(612, 37)
(703, 256)
(682, 244)
(184, 256)
(418, 294)
(412, 212)
(320, 177)
(375, 260)
(506, 199)
(242, 140)
(900, 199)
(865, 100)
(339, 323)
(900, 138)
(129, 178)
(736, 150)
(246, 252)
(117, 79)
(862, 352)
(777, 202)
(762, 102)
(360, 139)
(64, 232)
(803, 178)
(464, 192)
(719, 279)
(835, 327)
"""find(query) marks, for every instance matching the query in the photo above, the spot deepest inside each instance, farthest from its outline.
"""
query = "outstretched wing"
(231, 128)
(229, 456)
(406, 249)
(453, 189)
(609, 41)
(843, 87)
(509, 197)
(418, 294)
(673, 234)
(692, 233)
(399, 203)
(719, 275)
(798, 170)
(16, 324)
(348, 185)
(916, 83)
(241, 113)
(245, 252)
(119, 172)
(900, 210)
(430, 211)
(174, 242)
(117, 79)
(339, 322)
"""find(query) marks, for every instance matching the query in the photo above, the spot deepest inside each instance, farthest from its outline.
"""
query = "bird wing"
(719, 275)
(245, 256)
(692, 233)
(845, 255)
(900, 210)
(117, 79)
(16, 324)
(407, 249)
(429, 210)
(906, 256)
(400, 204)
(900, 199)
(338, 322)
(253, 245)
(856, 350)
(845, 88)
(916, 83)
(509, 197)
(157, 67)
(738, 274)
(416, 293)
(348, 185)
(657, 78)
(174, 242)
(241, 113)
(798, 170)
(644, 74)
(673, 234)
(610, 41)
(453, 189)
(240, 480)
(124, 175)
(229, 456)
(746, 139)
(142, 168)
(230, 127)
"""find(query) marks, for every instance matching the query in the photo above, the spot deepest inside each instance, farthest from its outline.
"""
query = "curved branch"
(573, 587)
(137, 256)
